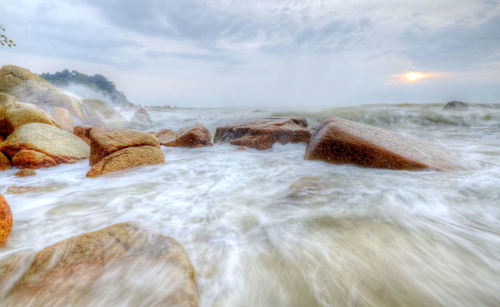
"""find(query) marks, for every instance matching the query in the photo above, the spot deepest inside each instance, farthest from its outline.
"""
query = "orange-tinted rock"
(338, 140)
(31, 159)
(127, 158)
(25, 173)
(166, 136)
(262, 134)
(5, 221)
(196, 136)
(63, 118)
(31, 189)
(241, 148)
(105, 141)
(20, 114)
(4, 162)
(83, 132)
(78, 271)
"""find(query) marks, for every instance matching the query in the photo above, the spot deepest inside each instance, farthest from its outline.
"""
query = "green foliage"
(4, 41)
(97, 82)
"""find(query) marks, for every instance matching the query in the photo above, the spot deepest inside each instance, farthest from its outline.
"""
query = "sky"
(280, 53)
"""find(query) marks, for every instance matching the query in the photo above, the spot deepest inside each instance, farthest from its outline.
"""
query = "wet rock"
(4, 162)
(338, 140)
(29, 87)
(105, 141)
(140, 120)
(25, 173)
(5, 221)
(166, 136)
(32, 159)
(241, 148)
(456, 105)
(308, 183)
(83, 132)
(112, 266)
(21, 114)
(104, 112)
(196, 136)
(63, 118)
(93, 122)
(31, 189)
(262, 134)
(127, 158)
(59, 145)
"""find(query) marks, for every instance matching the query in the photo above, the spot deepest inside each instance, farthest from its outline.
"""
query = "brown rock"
(4, 162)
(6, 101)
(105, 141)
(60, 145)
(83, 132)
(196, 136)
(140, 120)
(31, 159)
(63, 118)
(21, 114)
(25, 173)
(127, 158)
(31, 189)
(112, 266)
(166, 136)
(5, 221)
(14, 77)
(241, 148)
(262, 134)
(338, 140)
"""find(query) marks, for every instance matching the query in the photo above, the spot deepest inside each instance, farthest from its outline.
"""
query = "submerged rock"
(104, 112)
(456, 105)
(118, 265)
(4, 162)
(57, 144)
(196, 136)
(25, 173)
(140, 120)
(309, 184)
(262, 134)
(116, 149)
(339, 140)
(5, 221)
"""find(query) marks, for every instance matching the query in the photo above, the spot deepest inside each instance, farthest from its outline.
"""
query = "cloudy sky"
(284, 53)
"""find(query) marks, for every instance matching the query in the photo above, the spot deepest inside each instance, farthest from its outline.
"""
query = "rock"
(25, 173)
(104, 112)
(196, 136)
(241, 148)
(166, 136)
(140, 120)
(60, 145)
(6, 101)
(31, 159)
(21, 114)
(29, 87)
(105, 141)
(63, 118)
(4, 162)
(5, 221)
(456, 105)
(262, 134)
(127, 158)
(31, 189)
(118, 265)
(308, 183)
(93, 122)
(339, 140)
(83, 132)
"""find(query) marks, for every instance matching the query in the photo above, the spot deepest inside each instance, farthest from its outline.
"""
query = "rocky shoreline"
(41, 127)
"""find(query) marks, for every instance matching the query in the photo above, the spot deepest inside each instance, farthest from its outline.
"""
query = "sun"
(414, 76)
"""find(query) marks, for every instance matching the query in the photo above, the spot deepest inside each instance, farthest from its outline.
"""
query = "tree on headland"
(4, 40)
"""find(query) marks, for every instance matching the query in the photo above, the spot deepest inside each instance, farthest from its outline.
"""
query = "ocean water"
(358, 237)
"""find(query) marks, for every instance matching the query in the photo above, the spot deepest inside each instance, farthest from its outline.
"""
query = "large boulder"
(262, 134)
(140, 120)
(29, 87)
(20, 114)
(32, 159)
(104, 112)
(5, 221)
(4, 162)
(57, 144)
(118, 265)
(196, 136)
(456, 105)
(116, 149)
(6, 101)
(339, 140)
(63, 117)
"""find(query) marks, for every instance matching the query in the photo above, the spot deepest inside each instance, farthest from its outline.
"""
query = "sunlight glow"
(414, 76)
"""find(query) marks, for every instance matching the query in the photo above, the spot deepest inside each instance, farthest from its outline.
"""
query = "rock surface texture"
(262, 134)
(456, 105)
(49, 143)
(339, 140)
(196, 136)
(74, 272)
(104, 113)
(140, 120)
(115, 149)
(4, 162)
(5, 221)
